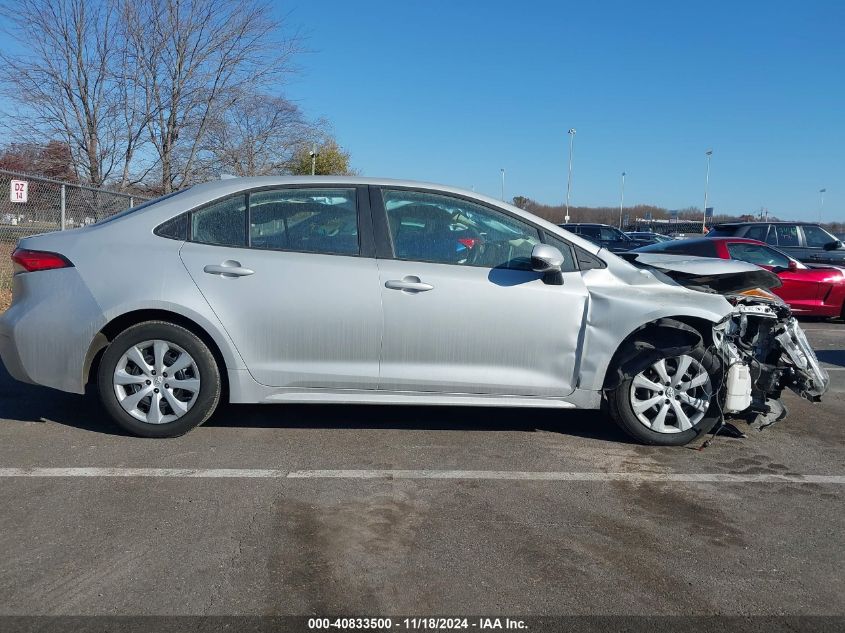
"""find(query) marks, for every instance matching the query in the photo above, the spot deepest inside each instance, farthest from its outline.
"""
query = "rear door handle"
(410, 283)
(230, 268)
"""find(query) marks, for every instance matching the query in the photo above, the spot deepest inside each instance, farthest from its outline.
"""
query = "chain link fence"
(51, 205)
(667, 227)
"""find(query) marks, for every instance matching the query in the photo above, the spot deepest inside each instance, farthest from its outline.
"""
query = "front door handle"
(230, 269)
(410, 284)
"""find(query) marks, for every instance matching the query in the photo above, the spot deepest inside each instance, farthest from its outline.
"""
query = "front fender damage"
(763, 342)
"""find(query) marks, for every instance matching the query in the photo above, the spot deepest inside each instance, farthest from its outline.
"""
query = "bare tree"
(195, 59)
(257, 136)
(65, 86)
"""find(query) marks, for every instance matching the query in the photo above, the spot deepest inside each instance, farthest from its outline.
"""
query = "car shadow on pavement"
(21, 402)
(29, 403)
(587, 424)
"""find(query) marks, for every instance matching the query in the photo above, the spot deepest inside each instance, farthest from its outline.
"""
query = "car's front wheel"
(669, 401)
(157, 379)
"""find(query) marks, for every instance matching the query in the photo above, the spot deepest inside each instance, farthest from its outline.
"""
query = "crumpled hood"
(720, 275)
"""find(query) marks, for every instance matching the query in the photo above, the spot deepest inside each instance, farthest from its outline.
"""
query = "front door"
(819, 246)
(463, 311)
(290, 285)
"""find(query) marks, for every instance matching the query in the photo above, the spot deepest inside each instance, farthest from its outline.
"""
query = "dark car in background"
(805, 241)
(604, 235)
(810, 290)
(647, 237)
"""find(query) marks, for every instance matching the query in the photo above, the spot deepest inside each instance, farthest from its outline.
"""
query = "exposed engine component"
(764, 340)
(737, 388)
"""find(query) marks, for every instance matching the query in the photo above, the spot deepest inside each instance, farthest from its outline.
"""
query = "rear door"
(289, 272)
(463, 311)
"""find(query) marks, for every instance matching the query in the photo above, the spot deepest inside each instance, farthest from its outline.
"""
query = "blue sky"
(453, 91)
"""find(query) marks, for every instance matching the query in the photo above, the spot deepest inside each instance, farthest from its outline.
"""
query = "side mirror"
(546, 259)
(834, 245)
(793, 265)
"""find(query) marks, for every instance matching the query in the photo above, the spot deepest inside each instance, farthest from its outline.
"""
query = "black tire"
(622, 412)
(209, 389)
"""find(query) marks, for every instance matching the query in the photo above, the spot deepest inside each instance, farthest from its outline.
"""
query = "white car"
(353, 290)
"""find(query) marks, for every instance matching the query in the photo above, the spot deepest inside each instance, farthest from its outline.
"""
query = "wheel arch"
(678, 332)
(123, 321)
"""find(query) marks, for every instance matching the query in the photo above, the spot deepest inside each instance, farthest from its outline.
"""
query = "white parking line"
(261, 473)
(823, 329)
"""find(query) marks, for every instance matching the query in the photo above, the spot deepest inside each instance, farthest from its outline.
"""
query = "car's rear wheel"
(669, 401)
(157, 379)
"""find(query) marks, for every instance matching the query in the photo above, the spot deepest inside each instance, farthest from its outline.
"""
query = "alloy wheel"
(156, 381)
(672, 395)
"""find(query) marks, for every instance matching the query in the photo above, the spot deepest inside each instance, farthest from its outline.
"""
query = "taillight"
(30, 261)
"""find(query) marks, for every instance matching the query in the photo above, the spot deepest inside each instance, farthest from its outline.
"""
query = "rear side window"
(787, 234)
(222, 223)
(304, 220)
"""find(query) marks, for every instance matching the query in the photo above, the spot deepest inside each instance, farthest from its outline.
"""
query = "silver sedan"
(352, 290)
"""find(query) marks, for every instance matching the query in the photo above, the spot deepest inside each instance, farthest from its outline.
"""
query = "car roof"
(585, 224)
(802, 223)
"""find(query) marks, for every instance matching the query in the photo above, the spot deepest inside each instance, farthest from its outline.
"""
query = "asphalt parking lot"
(464, 521)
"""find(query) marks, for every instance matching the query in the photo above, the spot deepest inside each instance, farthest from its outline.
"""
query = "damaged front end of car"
(760, 344)
(764, 351)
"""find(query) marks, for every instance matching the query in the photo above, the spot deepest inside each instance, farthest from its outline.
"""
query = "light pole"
(313, 154)
(708, 154)
(821, 203)
(621, 200)
(571, 133)
(503, 183)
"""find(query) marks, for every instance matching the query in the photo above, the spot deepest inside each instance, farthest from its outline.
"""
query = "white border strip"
(507, 475)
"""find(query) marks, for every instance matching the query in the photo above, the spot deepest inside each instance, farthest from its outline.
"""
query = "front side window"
(437, 228)
(565, 249)
(758, 255)
(221, 223)
(816, 236)
(609, 234)
(787, 234)
(304, 220)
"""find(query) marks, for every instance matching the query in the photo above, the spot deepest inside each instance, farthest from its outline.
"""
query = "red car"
(808, 289)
